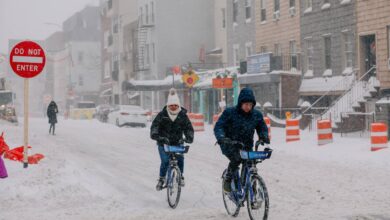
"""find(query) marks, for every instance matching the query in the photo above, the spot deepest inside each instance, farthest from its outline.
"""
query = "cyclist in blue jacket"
(238, 124)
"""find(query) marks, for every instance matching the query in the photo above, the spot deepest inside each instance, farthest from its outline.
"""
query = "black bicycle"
(173, 177)
(248, 186)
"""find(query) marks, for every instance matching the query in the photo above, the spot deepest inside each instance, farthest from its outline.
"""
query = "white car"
(128, 115)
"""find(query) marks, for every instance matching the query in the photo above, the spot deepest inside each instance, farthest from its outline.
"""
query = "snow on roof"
(385, 100)
(163, 82)
(321, 84)
(305, 104)
(267, 104)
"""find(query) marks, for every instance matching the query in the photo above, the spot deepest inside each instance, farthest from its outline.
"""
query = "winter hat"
(173, 98)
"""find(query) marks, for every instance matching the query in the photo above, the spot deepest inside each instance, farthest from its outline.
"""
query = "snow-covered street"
(98, 171)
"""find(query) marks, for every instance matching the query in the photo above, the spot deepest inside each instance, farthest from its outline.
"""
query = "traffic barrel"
(292, 130)
(378, 136)
(268, 123)
(197, 121)
(324, 132)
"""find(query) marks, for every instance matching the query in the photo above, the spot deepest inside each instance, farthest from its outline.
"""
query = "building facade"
(241, 30)
(373, 38)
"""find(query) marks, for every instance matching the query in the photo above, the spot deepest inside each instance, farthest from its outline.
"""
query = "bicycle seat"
(176, 149)
(255, 155)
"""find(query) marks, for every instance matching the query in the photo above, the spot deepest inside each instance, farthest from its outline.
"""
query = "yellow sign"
(190, 78)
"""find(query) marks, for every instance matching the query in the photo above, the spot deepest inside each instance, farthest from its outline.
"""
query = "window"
(263, 10)
(276, 5)
(235, 10)
(263, 49)
(146, 14)
(152, 9)
(388, 41)
(81, 80)
(308, 6)
(107, 71)
(115, 62)
(293, 54)
(223, 17)
(247, 9)
(327, 52)
(292, 3)
(277, 50)
(348, 53)
(248, 49)
(105, 36)
(154, 52)
(115, 25)
(236, 59)
(80, 57)
(109, 4)
(309, 53)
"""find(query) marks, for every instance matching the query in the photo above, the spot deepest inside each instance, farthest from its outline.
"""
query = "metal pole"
(26, 93)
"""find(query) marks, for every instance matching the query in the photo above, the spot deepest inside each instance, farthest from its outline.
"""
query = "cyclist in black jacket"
(168, 128)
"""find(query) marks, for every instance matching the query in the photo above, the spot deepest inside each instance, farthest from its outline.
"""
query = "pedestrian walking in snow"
(168, 128)
(52, 111)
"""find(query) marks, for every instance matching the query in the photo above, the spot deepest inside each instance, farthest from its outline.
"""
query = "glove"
(163, 140)
(188, 141)
(225, 141)
(264, 140)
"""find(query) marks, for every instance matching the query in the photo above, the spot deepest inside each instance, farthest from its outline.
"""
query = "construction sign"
(190, 78)
(223, 83)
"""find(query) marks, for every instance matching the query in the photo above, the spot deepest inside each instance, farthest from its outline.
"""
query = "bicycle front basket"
(254, 155)
(176, 149)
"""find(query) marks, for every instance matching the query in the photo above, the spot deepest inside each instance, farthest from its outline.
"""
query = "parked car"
(128, 115)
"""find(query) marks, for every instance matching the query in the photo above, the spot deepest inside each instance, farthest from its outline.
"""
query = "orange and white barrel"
(268, 123)
(324, 132)
(197, 121)
(292, 130)
(378, 136)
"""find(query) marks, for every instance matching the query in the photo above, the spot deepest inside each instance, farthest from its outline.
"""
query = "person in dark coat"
(238, 124)
(52, 111)
(168, 128)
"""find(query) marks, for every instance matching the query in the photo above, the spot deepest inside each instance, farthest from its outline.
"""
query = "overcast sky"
(25, 19)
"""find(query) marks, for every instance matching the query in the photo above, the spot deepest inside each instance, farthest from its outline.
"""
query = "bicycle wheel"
(258, 202)
(228, 200)
(173, 187)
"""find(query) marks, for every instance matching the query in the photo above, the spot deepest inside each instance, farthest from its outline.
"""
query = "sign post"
(27, 60)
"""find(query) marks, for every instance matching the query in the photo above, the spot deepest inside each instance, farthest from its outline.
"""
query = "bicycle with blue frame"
(248, 185)
(173, 176)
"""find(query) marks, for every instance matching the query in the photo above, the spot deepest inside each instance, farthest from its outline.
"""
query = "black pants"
(233, 154)
(52, 125)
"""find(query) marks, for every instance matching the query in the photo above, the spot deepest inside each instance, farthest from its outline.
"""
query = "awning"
(215, 51)
(106, 93)
(155, 85)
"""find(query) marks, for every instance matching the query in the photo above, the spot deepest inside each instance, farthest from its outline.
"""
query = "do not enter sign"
(27, 59)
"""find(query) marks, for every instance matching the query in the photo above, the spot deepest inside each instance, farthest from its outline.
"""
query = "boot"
(160, 184)
(227, 187)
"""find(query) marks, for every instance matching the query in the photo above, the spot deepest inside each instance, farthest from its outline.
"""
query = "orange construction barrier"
(324, 132)
(197, 121)
(215, 119)
(268, 123)
(378, 136)
(292, 130)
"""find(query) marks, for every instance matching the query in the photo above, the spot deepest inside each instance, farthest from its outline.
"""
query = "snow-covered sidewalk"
(98, 171)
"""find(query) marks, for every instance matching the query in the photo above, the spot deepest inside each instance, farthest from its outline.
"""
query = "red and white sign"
(27, 59)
